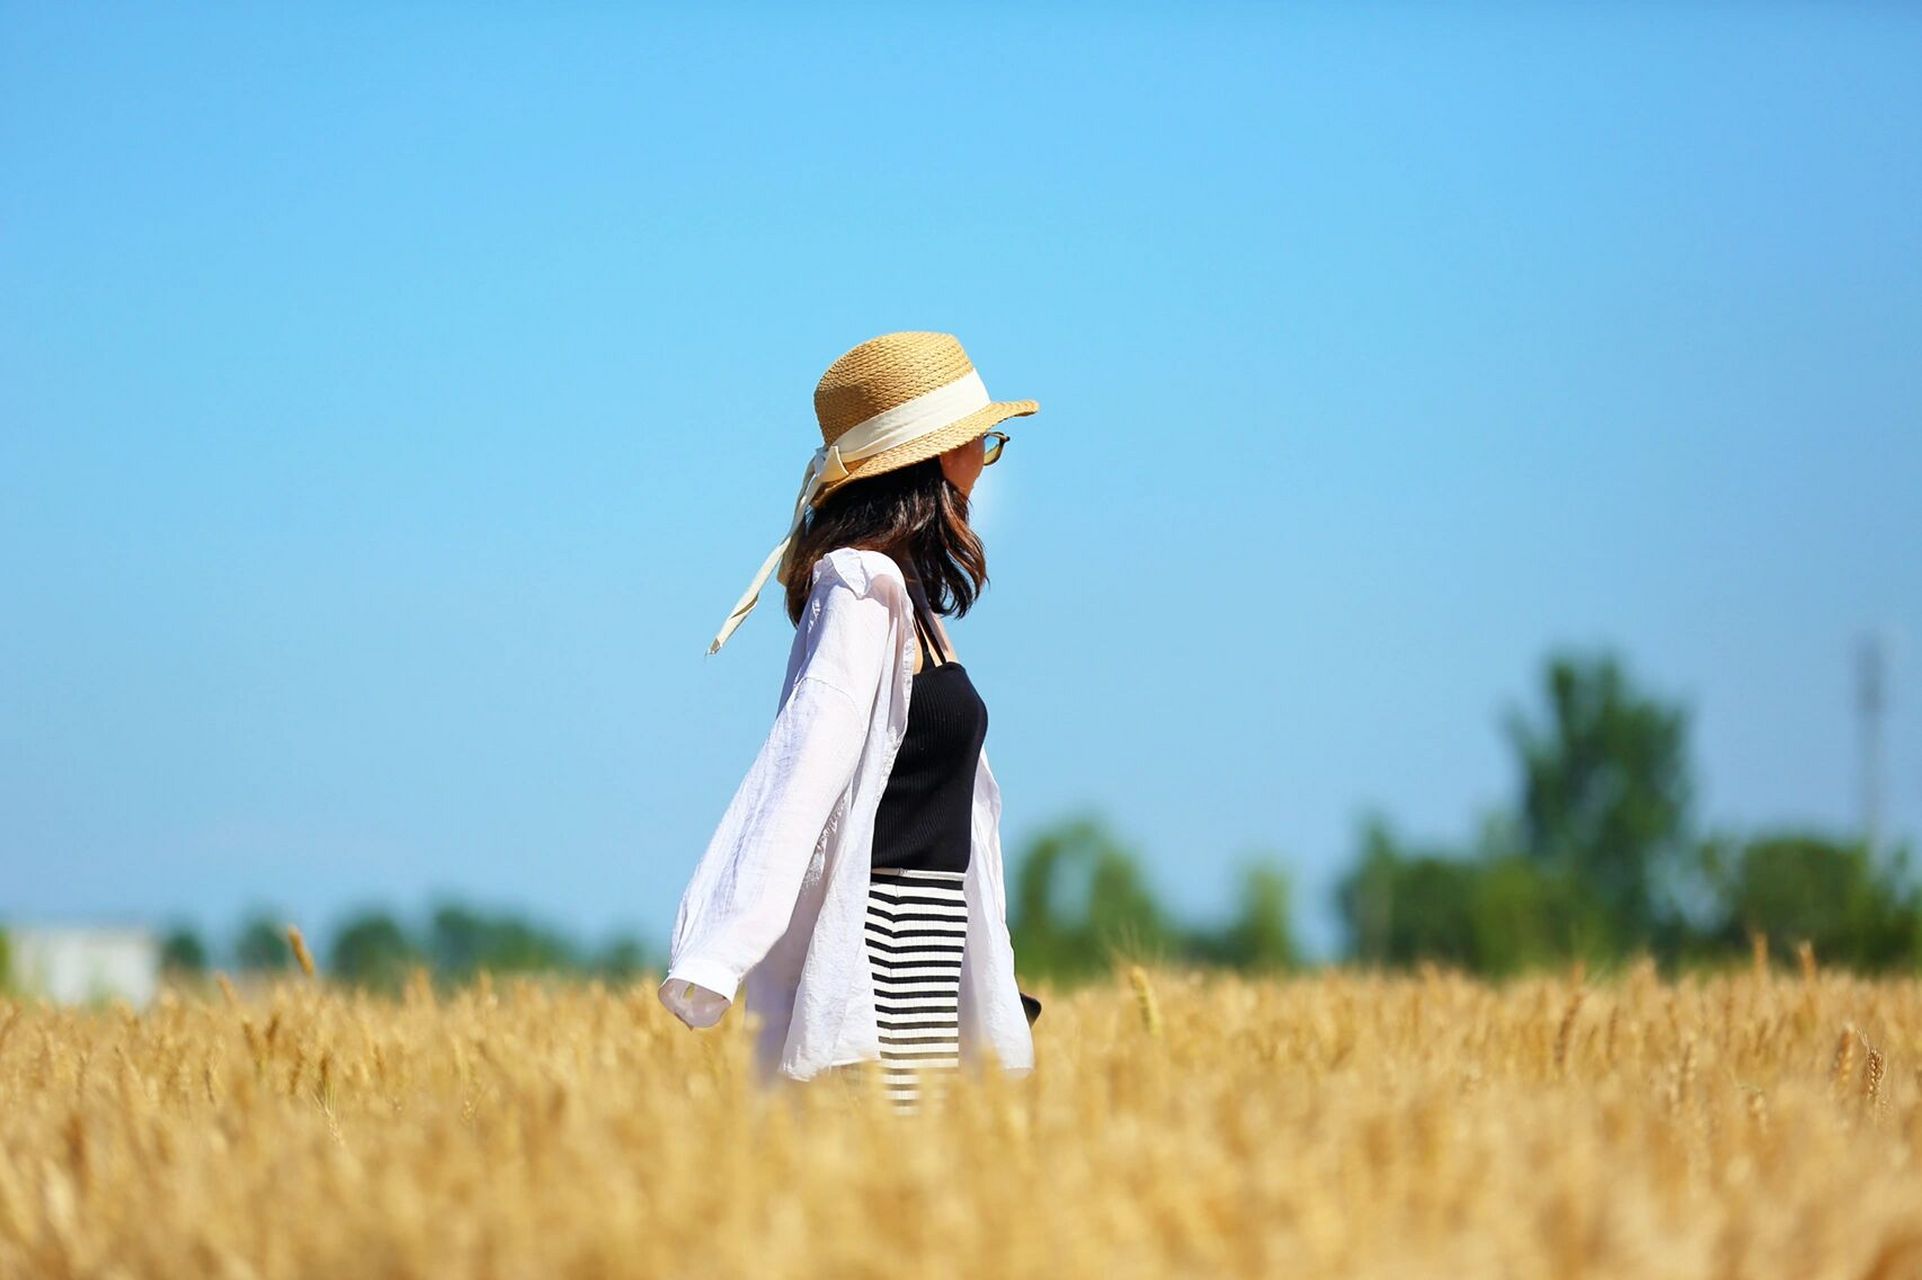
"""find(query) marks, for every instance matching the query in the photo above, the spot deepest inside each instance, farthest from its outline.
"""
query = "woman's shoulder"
(859, 567)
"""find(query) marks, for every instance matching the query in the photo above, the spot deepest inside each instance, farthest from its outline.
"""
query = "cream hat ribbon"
(891, 428)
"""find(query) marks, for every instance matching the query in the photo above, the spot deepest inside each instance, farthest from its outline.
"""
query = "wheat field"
(1750, 1124)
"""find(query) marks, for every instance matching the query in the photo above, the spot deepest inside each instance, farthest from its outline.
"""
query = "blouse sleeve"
(743, 890)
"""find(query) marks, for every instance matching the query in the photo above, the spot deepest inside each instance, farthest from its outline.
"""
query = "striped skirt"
(916, 930)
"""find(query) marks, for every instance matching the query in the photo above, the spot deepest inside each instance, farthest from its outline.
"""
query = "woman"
(854, 883)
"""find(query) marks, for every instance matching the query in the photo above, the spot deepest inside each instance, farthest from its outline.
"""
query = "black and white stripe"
(916, 931)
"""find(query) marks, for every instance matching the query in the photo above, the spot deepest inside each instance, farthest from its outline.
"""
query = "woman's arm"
(742, 893)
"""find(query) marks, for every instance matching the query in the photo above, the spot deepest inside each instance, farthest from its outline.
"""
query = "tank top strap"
(924, 625)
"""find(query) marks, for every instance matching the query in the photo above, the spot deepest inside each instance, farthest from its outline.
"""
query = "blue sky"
(395, 400)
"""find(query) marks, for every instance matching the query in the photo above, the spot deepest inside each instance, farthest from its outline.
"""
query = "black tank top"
(926, 818)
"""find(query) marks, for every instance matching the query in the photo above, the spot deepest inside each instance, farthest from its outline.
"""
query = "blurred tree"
(372, 950)
(1530, 916)
(1261, 936)
(1799, 885)
(1490, 910)
(1400, 906)
(182, 951)
(461, 942)
(262, 943)
(1606, 790)
(1080, 902)
(622, 959)
(1597, 860)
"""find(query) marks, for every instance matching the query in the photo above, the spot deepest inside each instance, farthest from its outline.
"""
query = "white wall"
(73, 964)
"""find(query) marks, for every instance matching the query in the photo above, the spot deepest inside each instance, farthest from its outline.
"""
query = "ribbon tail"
(810, 483)
(751, 597)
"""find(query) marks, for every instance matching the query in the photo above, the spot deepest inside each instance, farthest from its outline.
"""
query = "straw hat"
(893, 401)
(922, 378)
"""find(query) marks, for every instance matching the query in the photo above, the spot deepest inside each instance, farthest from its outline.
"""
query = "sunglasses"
(997, 440)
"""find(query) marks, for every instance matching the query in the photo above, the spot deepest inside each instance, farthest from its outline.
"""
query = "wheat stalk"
(1564, 1034)
(1844, 1058)
(299, 944)
(1145, 1001)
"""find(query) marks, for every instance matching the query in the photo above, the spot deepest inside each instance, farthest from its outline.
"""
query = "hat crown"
(884, 372)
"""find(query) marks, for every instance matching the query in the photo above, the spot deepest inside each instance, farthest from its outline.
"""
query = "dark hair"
(914, 514)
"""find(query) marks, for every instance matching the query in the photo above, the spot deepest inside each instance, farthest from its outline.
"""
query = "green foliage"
(1261, 936)
(461, 942)
(1798, 886)
(1605, 788)
(1527, 916)
(376, 950)
(1400, 906)
(261, 945)
(182, 951)
(372, 950)
(1597, 861)
(1582, 868)
(1497, 913)
(1080, 903)
(621, 960)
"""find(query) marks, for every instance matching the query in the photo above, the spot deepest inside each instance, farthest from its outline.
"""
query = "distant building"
(73, 964)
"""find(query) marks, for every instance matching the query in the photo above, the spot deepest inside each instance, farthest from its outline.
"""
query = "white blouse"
(779, 899)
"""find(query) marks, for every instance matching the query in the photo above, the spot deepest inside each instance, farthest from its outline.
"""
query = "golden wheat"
(1178, 1124)
(299, 944)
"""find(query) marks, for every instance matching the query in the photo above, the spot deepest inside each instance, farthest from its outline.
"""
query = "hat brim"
(935, 443)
